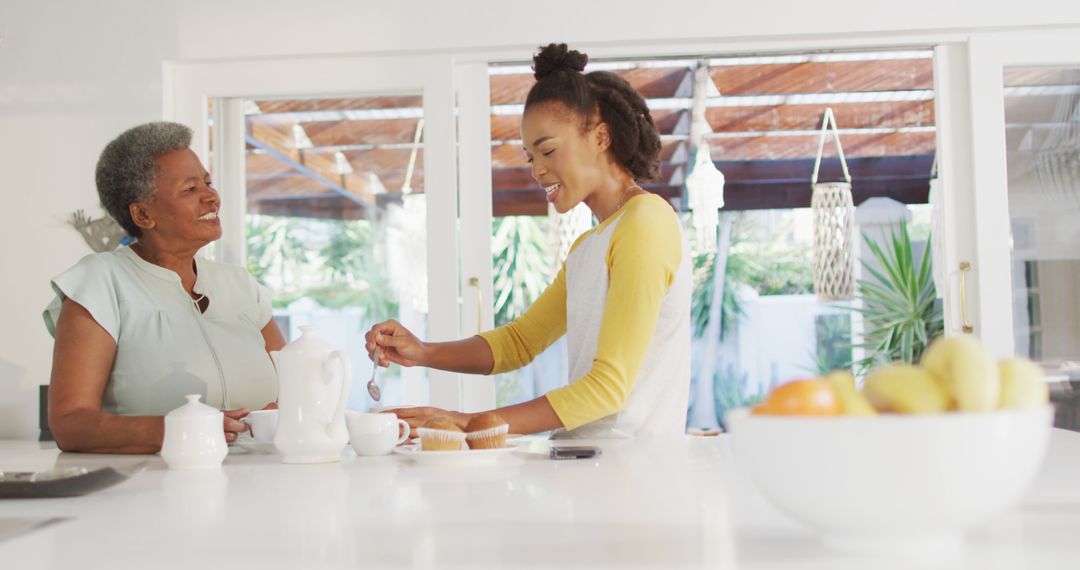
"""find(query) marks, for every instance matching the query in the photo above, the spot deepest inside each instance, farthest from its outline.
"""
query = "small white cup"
(375, 434)
(263, 424)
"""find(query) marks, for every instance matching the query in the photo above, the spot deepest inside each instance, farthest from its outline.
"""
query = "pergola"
(337, 158)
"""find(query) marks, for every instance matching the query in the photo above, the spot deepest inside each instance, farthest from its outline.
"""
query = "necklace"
(626, 196)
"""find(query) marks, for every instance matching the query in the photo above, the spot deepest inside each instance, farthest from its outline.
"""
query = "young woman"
(623, 295)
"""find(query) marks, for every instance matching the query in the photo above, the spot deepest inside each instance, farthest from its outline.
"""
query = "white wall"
(74, 74)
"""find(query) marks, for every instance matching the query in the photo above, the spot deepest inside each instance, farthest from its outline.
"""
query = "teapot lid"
(193, 408)
(308, 342)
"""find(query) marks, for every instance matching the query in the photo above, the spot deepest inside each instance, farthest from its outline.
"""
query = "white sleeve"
(90, 283)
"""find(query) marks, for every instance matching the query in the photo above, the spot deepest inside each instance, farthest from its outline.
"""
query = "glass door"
(338, 179)
(1020, 240)
(1042, 144)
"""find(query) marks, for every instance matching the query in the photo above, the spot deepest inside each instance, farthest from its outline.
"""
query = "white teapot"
(312, 395)
(194, 436)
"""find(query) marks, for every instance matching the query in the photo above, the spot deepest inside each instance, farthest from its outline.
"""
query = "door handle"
(475, 282)
(965, 325)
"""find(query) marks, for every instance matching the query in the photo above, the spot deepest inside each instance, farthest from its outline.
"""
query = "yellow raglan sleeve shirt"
(643, 254)
(516, 344)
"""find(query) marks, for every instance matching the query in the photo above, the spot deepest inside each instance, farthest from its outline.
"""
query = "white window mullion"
(440, 187)
(474, 159)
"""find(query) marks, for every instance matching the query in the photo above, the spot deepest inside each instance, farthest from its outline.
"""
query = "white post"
(474, 161)
(229, 174)
(440, 187)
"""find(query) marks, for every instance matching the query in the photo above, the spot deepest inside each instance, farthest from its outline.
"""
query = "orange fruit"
(811, 397)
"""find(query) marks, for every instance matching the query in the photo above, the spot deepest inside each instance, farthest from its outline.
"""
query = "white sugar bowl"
(194, 436)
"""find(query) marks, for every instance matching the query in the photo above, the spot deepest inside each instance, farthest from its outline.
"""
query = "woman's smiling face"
(569, 162)
(185, 204)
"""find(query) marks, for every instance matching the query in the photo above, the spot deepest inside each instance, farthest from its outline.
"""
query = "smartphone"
(575, 452)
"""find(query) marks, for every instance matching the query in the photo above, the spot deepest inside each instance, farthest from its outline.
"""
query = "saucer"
(459, 457)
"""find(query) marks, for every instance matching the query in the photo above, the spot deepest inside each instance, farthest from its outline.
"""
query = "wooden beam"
(1030, 76)
(824, 77)
(914, 166)
(782, 195)
(891, 114)
(651, 82)
(776, 147)
(338, 104)
(325, 208)
(309, 172)
(274, 136)
(749, 195)
(532, 202)
(365, 132)
(790, 170)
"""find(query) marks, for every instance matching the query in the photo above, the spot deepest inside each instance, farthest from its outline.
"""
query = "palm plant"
(522, 259)
(353, 276)
(274, 251)
(521, 265)
(898, 303)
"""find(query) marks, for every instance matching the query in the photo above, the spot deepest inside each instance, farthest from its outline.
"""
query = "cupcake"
(440, 433)
(486, 431)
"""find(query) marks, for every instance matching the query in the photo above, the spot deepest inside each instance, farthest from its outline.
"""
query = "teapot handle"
(346, 385)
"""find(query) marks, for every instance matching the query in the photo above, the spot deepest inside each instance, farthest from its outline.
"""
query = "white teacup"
(375, 434)
(262, 424)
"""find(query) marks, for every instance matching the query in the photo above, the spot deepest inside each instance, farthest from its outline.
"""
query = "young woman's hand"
(396, 344)
(418, 416)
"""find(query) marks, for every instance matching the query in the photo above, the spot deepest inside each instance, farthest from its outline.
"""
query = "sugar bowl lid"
(193, 408)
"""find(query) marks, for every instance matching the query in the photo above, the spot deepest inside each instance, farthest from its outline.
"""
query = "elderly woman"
(138, 328)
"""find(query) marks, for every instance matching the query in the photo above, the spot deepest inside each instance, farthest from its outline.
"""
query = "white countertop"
(642, 504)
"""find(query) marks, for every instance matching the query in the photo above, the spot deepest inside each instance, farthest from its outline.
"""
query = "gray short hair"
(127, 168)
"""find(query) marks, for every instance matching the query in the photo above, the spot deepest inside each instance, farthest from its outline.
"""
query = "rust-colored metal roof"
(766, 115)
(351, 104)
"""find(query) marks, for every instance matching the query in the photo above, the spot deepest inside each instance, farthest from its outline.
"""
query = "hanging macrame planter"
(834, 222)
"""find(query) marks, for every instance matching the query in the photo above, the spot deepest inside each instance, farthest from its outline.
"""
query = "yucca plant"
(900, 314)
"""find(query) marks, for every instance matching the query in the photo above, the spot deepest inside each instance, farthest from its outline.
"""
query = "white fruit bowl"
(892, 482)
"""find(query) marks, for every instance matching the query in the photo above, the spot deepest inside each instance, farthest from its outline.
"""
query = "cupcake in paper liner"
(486, 431)
(440, 433)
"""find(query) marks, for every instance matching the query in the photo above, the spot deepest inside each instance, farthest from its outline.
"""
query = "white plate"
(460, 457)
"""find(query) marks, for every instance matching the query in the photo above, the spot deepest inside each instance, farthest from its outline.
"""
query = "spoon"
(372, 387)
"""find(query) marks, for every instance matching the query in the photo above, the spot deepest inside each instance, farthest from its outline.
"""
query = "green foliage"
(833, 342)
(899, 305)
(343, 272)
(273, 248)
(755, 258)
(733, 391)
(522, 261)
(506, 389)
(354, 277)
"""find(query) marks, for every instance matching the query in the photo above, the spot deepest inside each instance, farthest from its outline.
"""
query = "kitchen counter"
(642, 504)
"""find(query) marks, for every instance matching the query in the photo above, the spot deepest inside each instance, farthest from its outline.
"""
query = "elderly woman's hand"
(233, 426)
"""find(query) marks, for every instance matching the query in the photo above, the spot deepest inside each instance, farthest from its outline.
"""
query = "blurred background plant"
(898, 302)
(522, 257)
(732, 390)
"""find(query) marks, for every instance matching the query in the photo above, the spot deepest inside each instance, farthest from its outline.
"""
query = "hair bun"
(555, 57)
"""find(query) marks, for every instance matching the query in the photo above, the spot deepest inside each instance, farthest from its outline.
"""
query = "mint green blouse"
(165, 347)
